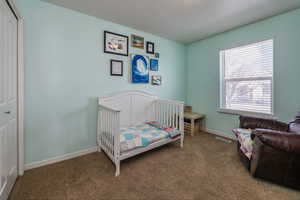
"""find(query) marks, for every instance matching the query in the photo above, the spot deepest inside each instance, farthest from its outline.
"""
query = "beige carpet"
(205, 169)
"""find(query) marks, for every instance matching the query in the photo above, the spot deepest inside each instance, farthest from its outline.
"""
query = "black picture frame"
(111, 67)
(148, 49)
(119, 35)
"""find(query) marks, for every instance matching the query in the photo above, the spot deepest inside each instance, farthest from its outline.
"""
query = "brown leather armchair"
(276, 150)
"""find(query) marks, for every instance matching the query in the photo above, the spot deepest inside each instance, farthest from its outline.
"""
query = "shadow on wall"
(80, 127)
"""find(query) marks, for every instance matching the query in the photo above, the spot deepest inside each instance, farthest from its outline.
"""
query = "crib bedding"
(140, 136)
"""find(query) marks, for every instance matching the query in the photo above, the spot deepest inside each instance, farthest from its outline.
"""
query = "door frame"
(20, 84)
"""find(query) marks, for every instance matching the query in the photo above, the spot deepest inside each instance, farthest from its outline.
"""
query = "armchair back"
(254, 122)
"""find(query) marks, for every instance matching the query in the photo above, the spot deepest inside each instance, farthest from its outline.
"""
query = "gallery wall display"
(116, 67)
(156, 80)
(139, 69)
(115, 43)
(150, 47)
(137, 41)
(153, 64)
(141, 65)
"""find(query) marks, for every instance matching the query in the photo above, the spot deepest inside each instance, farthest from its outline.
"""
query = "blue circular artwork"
(140, 69)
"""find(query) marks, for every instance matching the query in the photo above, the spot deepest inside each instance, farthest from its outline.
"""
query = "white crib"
(131, 108)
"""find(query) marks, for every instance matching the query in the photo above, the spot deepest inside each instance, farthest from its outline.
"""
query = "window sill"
(248, 113)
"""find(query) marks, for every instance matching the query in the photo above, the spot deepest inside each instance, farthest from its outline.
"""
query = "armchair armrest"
(255, 122)
(285, 141)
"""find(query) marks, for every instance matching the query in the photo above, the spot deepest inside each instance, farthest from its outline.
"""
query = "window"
(247, 78)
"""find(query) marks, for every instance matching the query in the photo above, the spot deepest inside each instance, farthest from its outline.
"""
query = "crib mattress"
(140, 136)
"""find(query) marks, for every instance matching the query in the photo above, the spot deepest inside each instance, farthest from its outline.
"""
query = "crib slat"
(101, 127)
(109, 131)
(156, 111)
(162, 113)
(172, 117)
(159, 111)
(167, 114)
(178, 113)
(177, 116)
(153, 112)
(113, 133)
(106, 127)
(116, 137)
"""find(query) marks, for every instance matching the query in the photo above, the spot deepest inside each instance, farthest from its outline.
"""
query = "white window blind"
(246, 78)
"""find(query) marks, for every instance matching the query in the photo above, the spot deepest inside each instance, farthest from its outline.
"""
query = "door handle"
(7, 112)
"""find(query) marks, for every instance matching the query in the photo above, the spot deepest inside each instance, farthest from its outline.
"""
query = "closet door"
(8, 100)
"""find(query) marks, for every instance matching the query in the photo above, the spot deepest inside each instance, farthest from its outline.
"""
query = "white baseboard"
(60, 158)
(95, 149)
(219, 133)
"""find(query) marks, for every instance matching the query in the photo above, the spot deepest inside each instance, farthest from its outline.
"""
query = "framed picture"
(150, 47)
(156, 80)
(153, 64)
(139, 69)
(115, 43)
(116, 67)
(137, 41)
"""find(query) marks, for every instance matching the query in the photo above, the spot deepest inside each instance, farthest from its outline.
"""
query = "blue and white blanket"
(140, 136)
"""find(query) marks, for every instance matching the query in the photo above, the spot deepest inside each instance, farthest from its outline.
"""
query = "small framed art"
(156, 80)
(153, 64)
(116, 67)
(115, 43)
(137, 41)
(150, 47)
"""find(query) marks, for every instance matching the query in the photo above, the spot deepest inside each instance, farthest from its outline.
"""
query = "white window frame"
(222, 97)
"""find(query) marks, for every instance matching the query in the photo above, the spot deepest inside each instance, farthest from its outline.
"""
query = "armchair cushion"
(284, 141)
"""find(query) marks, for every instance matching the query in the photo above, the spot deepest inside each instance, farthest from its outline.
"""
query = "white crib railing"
(167, 112)
(170, 114)
(109, 133)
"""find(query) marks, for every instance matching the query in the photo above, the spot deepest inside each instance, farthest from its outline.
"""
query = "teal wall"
(66, 69)
(203, 68)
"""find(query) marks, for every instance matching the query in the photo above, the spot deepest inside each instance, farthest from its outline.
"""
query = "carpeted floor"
(206, 169)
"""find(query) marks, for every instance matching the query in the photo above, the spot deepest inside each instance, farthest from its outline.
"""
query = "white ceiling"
(181, 20)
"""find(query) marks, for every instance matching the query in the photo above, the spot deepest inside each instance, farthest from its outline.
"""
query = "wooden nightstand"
(192, 122)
